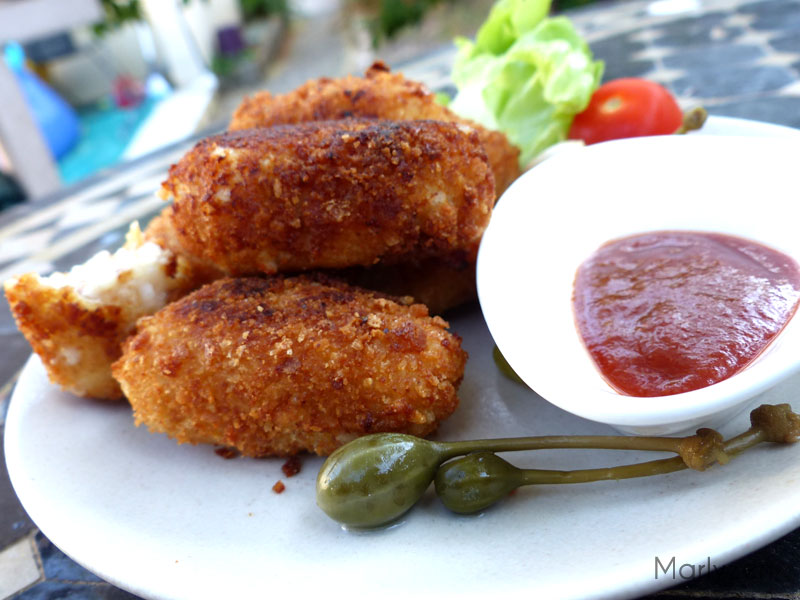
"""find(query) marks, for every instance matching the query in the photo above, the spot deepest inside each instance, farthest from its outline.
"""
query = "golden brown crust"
(331, 194)
(77, 341)
(277, 366)
(379, 95)
(161, 231)
(439, 283)
(76, 336)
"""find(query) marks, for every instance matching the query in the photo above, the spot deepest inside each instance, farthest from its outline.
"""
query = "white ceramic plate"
(168, 521)
(555, 216)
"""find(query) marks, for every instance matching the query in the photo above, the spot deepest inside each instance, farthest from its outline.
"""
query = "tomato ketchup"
(668, 312)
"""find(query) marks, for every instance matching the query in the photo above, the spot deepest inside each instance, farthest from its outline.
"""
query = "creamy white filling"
(71, 356)
(134, 276)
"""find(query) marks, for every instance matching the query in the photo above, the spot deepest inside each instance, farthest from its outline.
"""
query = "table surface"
(737, 58)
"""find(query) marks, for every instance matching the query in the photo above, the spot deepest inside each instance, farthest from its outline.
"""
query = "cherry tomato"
(628, 107)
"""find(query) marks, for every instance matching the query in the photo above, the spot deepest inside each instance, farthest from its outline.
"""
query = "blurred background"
(88, 84)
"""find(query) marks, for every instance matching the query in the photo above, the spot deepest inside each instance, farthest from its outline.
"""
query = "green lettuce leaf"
(525, 74)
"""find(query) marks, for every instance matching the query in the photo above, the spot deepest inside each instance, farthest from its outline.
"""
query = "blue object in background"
(55, 117)
(106, 132)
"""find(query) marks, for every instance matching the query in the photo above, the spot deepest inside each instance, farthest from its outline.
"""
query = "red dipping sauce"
(668, 312)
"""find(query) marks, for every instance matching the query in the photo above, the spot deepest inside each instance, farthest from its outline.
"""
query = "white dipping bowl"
(556, 215)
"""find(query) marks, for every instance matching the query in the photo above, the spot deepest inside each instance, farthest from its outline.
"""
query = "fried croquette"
(76, 321)
(331, 194)
(277, 366)
(438, 283)
(380, 95)
(161, 231)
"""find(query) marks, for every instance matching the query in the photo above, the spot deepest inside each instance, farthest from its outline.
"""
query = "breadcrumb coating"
(77, 340)
(331, 194)
(161, 231)
(380, 94)
(276, 366)
(76, 321)
(439, 283)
